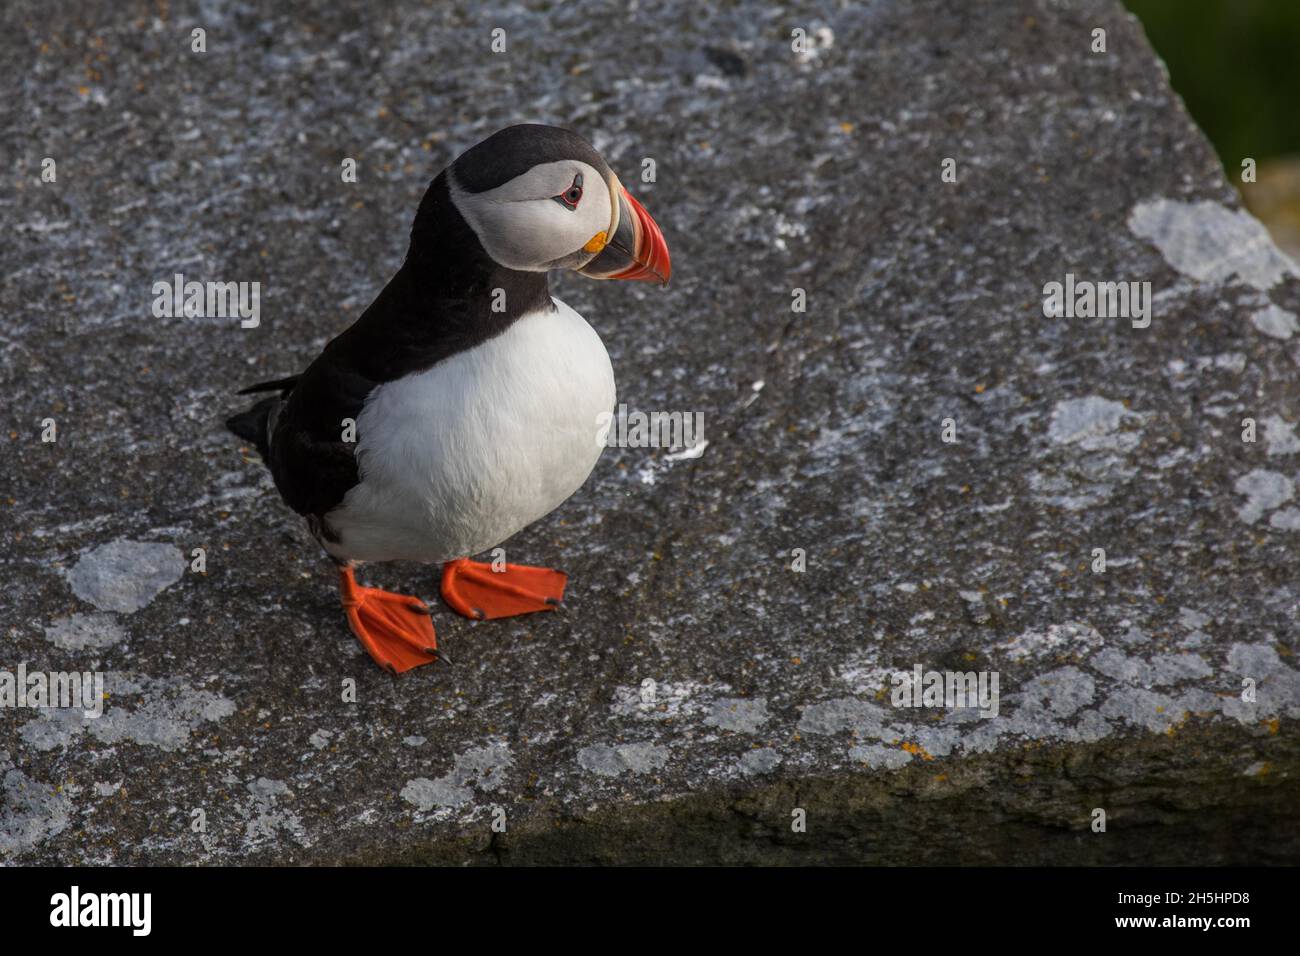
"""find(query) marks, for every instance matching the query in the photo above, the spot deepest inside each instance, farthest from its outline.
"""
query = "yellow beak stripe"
(596, 243)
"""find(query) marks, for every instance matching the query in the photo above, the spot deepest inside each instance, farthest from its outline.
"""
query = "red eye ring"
(571, 196)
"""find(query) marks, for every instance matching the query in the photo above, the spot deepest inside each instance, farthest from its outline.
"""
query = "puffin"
(465, 402)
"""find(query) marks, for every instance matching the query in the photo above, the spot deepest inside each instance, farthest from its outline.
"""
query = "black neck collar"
(442, 301)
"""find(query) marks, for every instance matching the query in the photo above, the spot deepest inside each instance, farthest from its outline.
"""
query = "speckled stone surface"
(696, 691)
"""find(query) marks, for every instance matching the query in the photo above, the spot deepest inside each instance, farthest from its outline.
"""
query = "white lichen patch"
(1275, 322)
(444, 793)
(1070, 637)
(865, 677)
(266, 819)
(661, 701)
(483, 768)
(1060, 491)
(1109, 690)
(845, 713)
(30, 812)
(1286, 519)
(878, 756)
(755, 762)
(1280, 435)
(1092, 423)
(1162, 670)
(1152, 710)
(1060, 693)
(1264, 491)
(611, 760)
(1210, 242)
(738, 714)
(138, 709)
(85, 631)
(1274, 686)
(124, 575)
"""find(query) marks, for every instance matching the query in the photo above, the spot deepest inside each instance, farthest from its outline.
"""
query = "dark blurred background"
(1236, 64)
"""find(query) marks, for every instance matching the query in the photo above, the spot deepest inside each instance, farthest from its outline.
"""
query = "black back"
(438, 304)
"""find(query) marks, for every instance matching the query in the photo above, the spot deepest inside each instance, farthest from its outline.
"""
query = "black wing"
(284, 385)
(312, 465)
(441, 302)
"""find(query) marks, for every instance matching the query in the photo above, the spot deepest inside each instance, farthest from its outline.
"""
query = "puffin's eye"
(571, 196)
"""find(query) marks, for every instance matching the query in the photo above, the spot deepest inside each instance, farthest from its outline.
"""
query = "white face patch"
(522, 226)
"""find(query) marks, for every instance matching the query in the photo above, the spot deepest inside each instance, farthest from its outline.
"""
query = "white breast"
(455, 460)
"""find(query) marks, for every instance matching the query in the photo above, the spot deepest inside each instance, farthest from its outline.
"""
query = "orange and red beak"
(635, 250)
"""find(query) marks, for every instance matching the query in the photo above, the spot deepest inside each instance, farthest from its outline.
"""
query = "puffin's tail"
(255, 424)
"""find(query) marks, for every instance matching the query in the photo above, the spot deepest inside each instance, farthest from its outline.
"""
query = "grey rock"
(611, 731)
(976, 609)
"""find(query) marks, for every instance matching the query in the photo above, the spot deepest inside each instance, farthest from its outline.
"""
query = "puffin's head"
(540, 198)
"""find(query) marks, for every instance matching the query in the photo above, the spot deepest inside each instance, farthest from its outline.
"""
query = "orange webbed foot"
(395, 629)
(473, 589)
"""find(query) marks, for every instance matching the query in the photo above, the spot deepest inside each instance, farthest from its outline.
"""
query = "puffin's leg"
(473, 589)
(394, 628)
